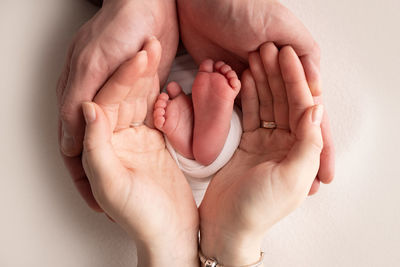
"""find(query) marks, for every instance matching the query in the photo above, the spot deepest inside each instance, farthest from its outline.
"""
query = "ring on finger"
(268, 124)
(136, 124)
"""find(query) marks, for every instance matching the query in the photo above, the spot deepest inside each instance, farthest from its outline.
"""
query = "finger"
(100, 162)
(314, 187)
(70, 145)
(297, 90)
(250, 102)
(270, 58)
(301, 165)
(77, 173)
(311, 65)
(113, 94)
(287, 29)
(326, 171)
(263, 90)
(144, 90)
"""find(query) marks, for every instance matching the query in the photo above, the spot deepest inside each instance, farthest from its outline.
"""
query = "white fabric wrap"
(193, 169)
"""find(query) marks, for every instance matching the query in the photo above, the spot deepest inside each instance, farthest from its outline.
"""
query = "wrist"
(178, 251)
(230, 249)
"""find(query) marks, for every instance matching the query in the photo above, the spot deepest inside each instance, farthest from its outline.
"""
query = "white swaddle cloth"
(183, 71)
(194, 169)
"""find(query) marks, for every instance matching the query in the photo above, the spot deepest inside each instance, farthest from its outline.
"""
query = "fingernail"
(89, 112)
(67, 141)
(317, 114)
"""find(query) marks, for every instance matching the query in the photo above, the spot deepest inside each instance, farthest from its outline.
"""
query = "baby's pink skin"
(198, 128)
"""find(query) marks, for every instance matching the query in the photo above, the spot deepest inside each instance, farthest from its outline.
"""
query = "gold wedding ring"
(268, 125)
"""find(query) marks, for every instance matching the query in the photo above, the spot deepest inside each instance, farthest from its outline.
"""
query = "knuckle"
(66, 112)
(61, 85)
(90, 62)
(90, 144)
(83, 32)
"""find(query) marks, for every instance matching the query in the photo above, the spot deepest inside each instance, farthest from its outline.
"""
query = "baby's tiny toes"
(218, 65)
(225, 69)
(159, 118)
(159, 112)
(235, 83)
(231, 75)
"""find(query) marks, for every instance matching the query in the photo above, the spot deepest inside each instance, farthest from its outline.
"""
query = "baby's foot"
(213, 93)
(173, 115)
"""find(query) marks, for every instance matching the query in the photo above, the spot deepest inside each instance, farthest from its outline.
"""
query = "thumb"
(99, 159)
(302, 163)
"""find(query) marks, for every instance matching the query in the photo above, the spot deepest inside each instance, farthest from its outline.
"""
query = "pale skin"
(197, 127)
(135, 180)
(208, 30)
(272, 171)
(132, 175)
(114, 35)
(229, 30)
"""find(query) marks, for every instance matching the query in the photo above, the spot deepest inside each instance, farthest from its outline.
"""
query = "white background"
(352, 222)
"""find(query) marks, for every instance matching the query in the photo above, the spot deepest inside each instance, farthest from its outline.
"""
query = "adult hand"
(229, 29)
(131, 173)
(115, 34)
(273, 169)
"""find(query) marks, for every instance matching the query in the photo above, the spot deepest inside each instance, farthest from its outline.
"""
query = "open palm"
(273, 169)
(131, 173)
(230, 29)
(115, 34)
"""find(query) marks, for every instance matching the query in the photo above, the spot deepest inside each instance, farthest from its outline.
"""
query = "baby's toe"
(231, 75)
(174, 89)
(159, 118)
(161, 101)
(225, 69)
(218, 65)
(206, 66)
(233, 79)
(159, 122)
(235, 84)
